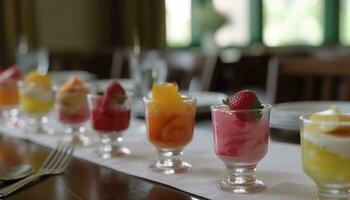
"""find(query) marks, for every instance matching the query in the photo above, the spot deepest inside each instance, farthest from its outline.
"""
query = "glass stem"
(333, 192)
(241, 174)
(39, 128)
(169, 158)
(110, 141)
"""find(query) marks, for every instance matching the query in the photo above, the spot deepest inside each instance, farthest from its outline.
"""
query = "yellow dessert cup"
(326, 155)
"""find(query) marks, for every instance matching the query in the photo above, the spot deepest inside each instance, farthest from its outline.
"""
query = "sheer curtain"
(16, 20)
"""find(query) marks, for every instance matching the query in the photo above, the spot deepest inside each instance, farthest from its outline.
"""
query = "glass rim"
(186, 98)
(306, 119)
(219, 107)
(20, 84)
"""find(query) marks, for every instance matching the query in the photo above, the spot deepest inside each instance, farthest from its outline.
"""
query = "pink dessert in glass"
(73, 110)
(241, 134)
(238, 141)
(72, 106)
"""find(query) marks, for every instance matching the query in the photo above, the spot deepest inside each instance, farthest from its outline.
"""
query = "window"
(345, 22)
(178, 22)
(293, 22)
(236, 30)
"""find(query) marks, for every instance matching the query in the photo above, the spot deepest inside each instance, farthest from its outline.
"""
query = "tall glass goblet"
(36, 102)
(110, 118)
(72, 111)
(240, 141)
(325, 147)
(170, 128)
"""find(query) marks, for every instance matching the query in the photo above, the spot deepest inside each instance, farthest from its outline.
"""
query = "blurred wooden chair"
(293, 78)
(97, 63)
(190, 69)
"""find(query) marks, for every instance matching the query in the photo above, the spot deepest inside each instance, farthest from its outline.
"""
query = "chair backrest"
(308, 78)
(190, 69)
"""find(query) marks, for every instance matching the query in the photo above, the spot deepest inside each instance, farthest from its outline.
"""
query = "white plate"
(204, 101)
(286, 115)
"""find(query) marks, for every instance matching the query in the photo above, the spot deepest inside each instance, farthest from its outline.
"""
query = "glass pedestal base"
(242, 188)
(241, 179)
(75, 135)
(110, 146)
(333, 192)
(38, 126)
(170, 162)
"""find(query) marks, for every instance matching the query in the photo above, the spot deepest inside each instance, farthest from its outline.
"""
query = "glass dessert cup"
(240, 144)
(326, 157)
(9, 100)
(170, 130)
(36, 102)
(73, 112)
(110, 122)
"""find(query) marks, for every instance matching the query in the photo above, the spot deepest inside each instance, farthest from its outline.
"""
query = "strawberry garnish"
(12, 72)
(245, 100)
(114, 93)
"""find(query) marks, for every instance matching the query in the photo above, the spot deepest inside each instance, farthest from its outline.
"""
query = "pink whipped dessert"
(241, 128)
(236, 140)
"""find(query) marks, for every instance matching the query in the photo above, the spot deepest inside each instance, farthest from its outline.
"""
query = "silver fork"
(56, 162)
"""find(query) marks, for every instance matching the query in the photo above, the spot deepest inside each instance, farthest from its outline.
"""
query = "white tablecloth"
(281, 168)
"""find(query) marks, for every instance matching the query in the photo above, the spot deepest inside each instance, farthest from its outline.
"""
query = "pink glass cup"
(240, 142)
(73, 112)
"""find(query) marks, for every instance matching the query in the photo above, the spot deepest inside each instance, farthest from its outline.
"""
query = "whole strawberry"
(245, 100)
(114, 93)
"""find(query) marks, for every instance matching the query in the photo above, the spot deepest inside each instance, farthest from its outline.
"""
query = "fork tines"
(59, 158)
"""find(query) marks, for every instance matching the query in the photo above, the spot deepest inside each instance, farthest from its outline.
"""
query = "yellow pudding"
(326, 146)
(36, 94)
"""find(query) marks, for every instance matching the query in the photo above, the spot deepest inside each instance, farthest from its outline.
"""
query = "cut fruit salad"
(170, 119)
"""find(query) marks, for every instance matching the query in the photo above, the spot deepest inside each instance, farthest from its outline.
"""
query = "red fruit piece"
(245, 100)
(1, 69)
(114, 88)
(11, 73)
(114, 92)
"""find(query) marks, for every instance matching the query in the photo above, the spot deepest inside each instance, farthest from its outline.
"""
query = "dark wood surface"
(81, 180)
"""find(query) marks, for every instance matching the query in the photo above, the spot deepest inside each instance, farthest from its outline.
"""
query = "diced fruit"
(170, 119)
(115, 93)
(1, 69)
(167, 99)
(114, 88)
(72, 102)
(166, 92)
(245, 100)
(74, 84)
(110, 114)
(38, 79)
(111, 119)
(177, 130)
